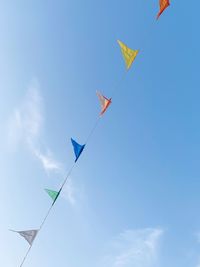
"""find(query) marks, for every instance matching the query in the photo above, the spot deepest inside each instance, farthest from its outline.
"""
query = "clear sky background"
(134, 197)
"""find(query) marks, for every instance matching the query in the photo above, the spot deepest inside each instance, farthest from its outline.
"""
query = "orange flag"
(105, 102)
(163, 5)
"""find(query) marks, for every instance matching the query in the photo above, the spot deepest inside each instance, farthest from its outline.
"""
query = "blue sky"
(133, 198)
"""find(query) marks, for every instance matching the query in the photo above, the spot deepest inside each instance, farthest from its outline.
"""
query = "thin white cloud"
(47, 160)
(138, 248)
(26, 125)
(27, 120)
(69, 192)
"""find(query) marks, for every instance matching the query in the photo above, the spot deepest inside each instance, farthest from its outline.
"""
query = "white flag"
(29, 235)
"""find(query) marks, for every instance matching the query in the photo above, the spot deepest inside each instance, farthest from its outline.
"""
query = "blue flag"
(77, 149)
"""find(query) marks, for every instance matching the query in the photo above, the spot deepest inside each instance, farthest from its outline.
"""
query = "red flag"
(163, 5)
(105, 102)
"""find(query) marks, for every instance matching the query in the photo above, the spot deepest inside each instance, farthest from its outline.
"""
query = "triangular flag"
(77, 149)
(129, 55)
(105, 102)
(163, 5)
(53, 194)
(29, 235)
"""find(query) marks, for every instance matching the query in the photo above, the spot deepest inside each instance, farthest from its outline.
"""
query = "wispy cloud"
(26, 126)
(138, 248)
(27, 120)
(69, 192)
(48, 161)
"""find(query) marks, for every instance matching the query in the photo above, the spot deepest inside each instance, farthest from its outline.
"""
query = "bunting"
(129, 55)
(163, 5)
(53, 194)
(28, 235)
(78, 149)
(104, 102)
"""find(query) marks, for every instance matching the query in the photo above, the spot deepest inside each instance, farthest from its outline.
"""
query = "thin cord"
(117, 86)
(114, 91)
(47, 214)
(26, 256)
(70, 171)
(93, 129)
(63, 184)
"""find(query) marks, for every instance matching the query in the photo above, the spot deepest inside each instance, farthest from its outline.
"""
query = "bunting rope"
(129, 56)
(70, 171)
(29, 249)
(47, 214)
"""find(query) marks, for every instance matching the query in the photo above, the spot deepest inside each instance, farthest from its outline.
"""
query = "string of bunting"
(129, 55)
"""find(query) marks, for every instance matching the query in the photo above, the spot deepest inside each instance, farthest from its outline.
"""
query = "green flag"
(53, 194)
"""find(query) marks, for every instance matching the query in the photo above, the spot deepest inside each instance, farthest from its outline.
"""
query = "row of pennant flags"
(129, 56)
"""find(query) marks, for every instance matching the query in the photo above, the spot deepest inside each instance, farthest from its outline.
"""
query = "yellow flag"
(129, 55)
